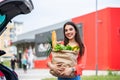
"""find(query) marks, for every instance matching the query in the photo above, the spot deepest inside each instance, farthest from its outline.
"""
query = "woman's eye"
(71, 29)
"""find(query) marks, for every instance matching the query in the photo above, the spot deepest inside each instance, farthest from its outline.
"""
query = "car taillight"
(1, 74)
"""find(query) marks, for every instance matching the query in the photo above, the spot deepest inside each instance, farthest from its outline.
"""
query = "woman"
(72, 38)
(24, 63)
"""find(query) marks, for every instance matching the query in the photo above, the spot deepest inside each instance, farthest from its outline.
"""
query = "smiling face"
(70, 32)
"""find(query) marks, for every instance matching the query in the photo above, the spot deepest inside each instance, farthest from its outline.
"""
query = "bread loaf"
(54, 39)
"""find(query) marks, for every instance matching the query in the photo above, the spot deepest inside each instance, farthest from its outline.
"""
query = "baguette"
(54, 39)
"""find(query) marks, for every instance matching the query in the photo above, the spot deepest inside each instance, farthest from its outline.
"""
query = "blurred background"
(98, 22)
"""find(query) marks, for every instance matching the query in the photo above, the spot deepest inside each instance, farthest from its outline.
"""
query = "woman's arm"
(81, 62)
(49, 59)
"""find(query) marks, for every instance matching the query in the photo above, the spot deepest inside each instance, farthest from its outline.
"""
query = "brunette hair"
(77, 37)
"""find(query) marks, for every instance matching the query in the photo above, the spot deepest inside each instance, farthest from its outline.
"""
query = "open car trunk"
(8, 10)
(12, 8)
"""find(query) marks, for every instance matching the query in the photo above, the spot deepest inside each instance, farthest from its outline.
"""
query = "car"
(8, 10)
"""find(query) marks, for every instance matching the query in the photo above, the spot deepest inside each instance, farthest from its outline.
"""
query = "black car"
(8, 10)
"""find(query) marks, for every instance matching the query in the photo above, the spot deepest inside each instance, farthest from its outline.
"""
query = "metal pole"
(96, 31)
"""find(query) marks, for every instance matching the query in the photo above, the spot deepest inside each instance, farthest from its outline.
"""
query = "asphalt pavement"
(33, 74)
(39, 74)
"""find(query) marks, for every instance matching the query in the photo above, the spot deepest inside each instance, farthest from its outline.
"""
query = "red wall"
(115, 39)
(89, 37)
(40, 63)
(108, 39)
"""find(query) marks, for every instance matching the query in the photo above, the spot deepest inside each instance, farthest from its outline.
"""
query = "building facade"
(106, 35)
(6, 40)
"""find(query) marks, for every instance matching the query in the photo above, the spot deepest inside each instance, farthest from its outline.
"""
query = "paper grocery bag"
(63, 59)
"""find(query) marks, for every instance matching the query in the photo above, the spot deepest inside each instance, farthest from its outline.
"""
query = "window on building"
(80, 27)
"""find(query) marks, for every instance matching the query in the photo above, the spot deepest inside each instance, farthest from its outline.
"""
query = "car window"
(2, 22)
(2, 19)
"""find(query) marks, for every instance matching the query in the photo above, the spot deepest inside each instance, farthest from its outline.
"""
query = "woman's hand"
(55, 68)
(66, 72)
(59, 42)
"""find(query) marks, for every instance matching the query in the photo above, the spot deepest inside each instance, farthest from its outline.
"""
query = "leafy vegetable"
(68, 47)
(60, 47)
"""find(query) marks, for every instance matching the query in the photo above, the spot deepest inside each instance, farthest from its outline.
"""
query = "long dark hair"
(77, 37)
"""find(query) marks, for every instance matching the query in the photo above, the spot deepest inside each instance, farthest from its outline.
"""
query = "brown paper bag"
(64, 58)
